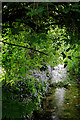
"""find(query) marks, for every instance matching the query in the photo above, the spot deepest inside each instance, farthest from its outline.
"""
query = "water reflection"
(59, 98)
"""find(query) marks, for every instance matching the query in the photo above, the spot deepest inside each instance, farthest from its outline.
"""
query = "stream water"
(60, 103)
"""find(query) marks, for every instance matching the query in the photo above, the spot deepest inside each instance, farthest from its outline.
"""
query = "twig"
(23, 47)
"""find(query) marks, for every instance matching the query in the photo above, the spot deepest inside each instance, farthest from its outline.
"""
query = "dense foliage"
(35, 37)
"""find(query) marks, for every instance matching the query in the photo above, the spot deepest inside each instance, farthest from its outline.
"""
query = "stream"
(60, 103)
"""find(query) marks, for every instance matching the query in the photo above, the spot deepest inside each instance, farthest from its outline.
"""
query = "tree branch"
(23, 47)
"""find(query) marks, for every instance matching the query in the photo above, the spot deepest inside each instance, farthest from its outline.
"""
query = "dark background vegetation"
(35, 35)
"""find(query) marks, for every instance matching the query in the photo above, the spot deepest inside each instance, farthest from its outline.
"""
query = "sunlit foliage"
(36, 37)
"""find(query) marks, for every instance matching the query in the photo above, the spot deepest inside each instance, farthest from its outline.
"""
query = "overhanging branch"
(23, 47)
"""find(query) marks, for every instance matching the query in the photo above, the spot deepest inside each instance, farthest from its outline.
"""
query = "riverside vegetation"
(35, 38)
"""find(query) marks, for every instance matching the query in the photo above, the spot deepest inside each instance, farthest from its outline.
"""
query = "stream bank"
(61, 102)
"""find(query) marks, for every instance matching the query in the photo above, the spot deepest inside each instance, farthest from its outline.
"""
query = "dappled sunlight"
(40, 58)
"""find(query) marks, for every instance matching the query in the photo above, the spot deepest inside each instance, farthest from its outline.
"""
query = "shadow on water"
(60, 103)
